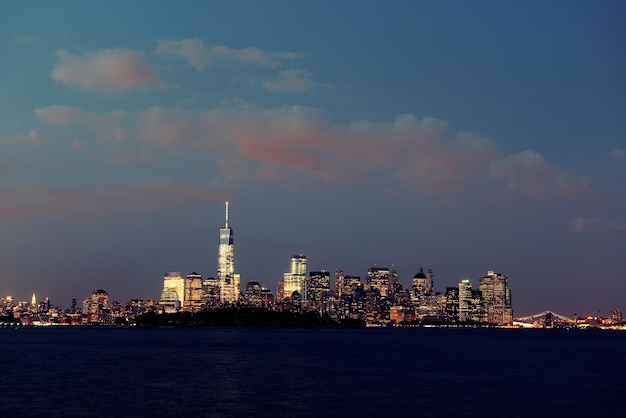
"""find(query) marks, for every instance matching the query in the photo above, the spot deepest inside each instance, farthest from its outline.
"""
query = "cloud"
(102, 200)
(32, 137)
(583, 224)
(111, 125)
(530, 175)
(201, 56)
(292, 80)
(618, 153)
(105, 70)
(292, 143)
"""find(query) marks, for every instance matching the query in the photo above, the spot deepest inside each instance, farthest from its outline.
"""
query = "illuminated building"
(252, 294)
(211, 292)
(294, 280)
(422, 283)
(465, 300)
(96, 307)
(192, 300)
(452, 304)
(350, 283)
(318, 287)
(496, 294)
(228, 280)
(378, 279)
(173, 294)
(339, 282)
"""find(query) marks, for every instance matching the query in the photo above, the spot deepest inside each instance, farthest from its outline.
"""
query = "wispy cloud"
(105, 70)
(529, 174)
(583, 224)
(290, 142)
(292, 80)
(32, 137)
(618, 153)
(102, 200)
(201, 56)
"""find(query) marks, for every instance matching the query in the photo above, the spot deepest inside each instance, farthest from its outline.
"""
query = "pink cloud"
(292, 142)
(111, 125)
(105, 70)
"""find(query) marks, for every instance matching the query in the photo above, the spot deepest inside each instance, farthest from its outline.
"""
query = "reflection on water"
(282, 372)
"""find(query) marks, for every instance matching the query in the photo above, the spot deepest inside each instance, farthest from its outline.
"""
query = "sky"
(455, 136)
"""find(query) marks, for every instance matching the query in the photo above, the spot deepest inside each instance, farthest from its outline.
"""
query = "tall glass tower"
(228, 280)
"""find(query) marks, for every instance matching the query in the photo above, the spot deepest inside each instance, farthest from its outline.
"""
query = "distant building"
(294, 280)
(96, 307)
(339, 282)
(192, 300)
(318, 288)
(496, 297)
(465, 300)
(228, 280)
(252, 295)
(211, 292)
(173, 294)
(378, 279)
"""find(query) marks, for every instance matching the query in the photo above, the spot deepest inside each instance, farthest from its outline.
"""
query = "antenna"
(227, 214)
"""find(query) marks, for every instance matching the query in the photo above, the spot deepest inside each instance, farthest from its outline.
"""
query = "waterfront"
(97, 371)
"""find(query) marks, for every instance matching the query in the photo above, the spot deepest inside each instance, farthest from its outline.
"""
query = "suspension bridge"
(546, 316)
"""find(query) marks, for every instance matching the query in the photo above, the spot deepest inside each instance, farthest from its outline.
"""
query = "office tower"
(33, 301)
(96, 307)
(173, 294)
(465, 300)
(252, 294)
(192, 300)
(294, 280)
(210, 292)
(422, 283)
(394, 286)
(280, 290)
(350, 283)
(496, 294)
(228, 280)
(318, 286)
(378, 279)
(339, 282)
(452, 304)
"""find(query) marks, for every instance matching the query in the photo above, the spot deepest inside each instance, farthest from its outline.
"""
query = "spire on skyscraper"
(226, 226)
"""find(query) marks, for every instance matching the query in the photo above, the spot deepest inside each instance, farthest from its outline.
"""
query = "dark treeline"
(245, 317)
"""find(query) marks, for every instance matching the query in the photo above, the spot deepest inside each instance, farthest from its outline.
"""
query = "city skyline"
(456, 137)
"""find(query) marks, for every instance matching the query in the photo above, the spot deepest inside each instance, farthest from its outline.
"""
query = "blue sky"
(457, 136)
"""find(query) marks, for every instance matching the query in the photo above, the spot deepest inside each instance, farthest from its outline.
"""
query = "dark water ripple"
(59, 372)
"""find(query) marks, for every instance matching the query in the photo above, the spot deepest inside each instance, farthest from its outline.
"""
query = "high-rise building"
(318, 286)
(294, 280)
(339, 282)
(422, 282)
(465, 300)
(173, 294)
(228, 280)
(378, 279)
(192, 301)
(96, 307)
(496, 294)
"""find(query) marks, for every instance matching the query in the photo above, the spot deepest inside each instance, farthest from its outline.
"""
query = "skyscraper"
(228, 280)
(294, 280)
(378, 279)
(496, 294)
